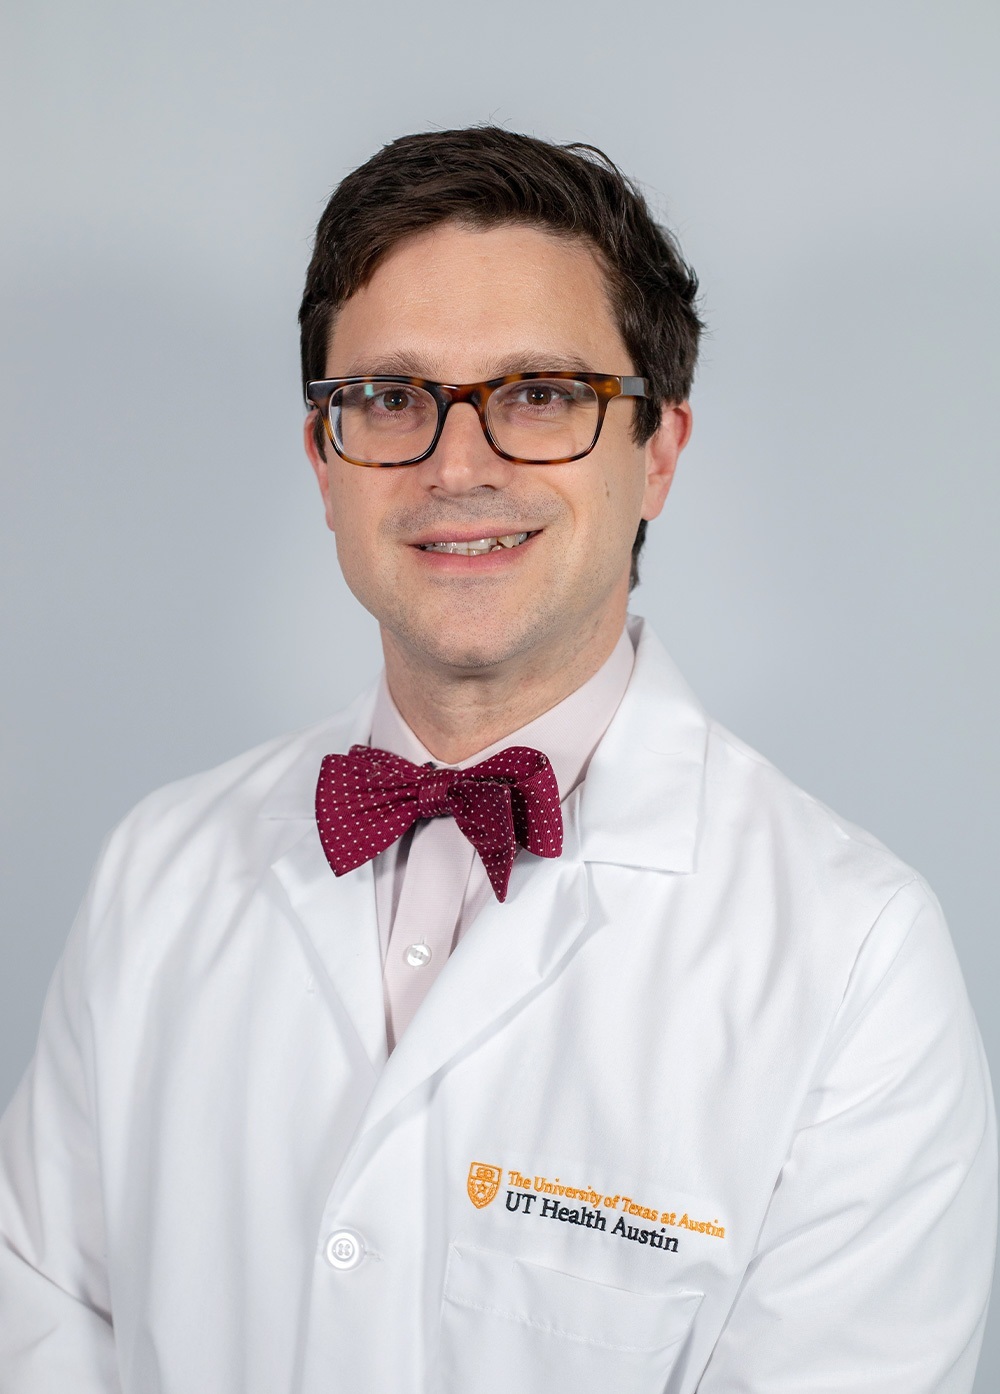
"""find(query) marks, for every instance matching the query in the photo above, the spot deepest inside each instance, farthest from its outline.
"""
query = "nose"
(463, 458)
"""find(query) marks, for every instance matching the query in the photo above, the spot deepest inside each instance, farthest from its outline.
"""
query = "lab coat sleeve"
(873, 1265)
(55, 1308)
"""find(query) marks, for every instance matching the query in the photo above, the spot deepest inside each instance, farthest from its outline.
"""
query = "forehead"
(458, 303)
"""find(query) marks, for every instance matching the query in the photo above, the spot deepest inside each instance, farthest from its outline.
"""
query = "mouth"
(479, 546)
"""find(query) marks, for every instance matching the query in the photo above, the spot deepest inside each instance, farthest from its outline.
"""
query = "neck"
(457, 712)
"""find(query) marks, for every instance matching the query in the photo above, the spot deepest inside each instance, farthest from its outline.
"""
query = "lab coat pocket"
(508, 1324)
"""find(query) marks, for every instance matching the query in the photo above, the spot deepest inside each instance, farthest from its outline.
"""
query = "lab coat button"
(344, 1249)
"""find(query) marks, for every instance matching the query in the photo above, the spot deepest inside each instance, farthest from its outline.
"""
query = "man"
(518, 1028)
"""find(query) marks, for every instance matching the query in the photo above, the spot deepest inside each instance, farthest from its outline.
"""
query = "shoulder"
(738, 808)
(246, 783)
(228, 813)
(781, 876)
(815, 895)
(762, 808)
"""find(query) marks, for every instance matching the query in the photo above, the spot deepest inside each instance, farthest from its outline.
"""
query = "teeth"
(477, 548)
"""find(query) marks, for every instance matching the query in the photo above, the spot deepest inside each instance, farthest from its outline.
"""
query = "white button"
(344, 1249)
(418, 955)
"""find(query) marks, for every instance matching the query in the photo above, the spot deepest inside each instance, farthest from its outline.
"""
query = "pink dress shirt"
(431, 885)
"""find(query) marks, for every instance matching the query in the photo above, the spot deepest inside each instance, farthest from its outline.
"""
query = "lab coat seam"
(76, 1008)
(84, 1029)
(738, 747)
(872, 928)
(549, 1329)
(828, 1046)
(46, 1277)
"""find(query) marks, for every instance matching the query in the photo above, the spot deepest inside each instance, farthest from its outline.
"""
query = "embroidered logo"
(545, 1198)
(483, 1183)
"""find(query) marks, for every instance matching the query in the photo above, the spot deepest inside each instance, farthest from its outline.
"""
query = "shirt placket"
(427, 917)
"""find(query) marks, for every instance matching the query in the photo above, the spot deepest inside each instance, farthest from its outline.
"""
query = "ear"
(662, 453)
(314, 438)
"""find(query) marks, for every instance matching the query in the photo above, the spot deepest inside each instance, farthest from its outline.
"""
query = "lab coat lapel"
(506, 955)
(335, 914)
(338, 917)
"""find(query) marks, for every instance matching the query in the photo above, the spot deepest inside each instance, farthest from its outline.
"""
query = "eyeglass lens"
(537, 420)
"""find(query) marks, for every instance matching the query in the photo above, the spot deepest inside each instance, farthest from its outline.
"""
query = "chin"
(464, 651)
(470, 642)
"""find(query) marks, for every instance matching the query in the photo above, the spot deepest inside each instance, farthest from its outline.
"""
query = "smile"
(479, 546)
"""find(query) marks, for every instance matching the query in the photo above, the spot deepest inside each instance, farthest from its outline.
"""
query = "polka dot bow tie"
(368, 798)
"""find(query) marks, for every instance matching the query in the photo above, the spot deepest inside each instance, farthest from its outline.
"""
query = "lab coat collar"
(294, 794)
(641, 801)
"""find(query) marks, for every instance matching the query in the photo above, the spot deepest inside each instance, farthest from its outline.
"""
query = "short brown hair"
(484, 176)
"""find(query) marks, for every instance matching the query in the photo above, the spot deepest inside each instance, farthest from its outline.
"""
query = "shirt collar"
(567, 733)
(640, 804)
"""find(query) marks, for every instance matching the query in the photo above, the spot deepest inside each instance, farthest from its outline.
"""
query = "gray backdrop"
(826, 571)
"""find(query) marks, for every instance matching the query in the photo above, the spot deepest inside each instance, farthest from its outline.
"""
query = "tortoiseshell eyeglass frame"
(606, 386)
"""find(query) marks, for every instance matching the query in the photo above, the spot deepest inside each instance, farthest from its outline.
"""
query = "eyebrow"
(401, 363)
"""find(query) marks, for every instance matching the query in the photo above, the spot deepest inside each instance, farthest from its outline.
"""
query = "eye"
(379, 401)
(539, 394)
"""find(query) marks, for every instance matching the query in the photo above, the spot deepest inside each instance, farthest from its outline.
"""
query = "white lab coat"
(725, 1023)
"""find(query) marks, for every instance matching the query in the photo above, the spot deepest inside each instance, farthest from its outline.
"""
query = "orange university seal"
(483, 1183)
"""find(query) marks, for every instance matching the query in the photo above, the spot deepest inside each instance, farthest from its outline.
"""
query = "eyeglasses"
(530, 418)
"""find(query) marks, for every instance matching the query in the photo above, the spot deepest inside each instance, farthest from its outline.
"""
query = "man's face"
(457, 305)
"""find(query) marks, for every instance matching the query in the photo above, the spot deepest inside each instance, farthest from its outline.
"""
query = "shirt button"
(344, 1249)
(418, 955)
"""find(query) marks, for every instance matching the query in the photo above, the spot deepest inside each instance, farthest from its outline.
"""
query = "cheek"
(351, 505)
(360, 565)
(617, 502)
(360, 501)
(351, 517)
(605, 515)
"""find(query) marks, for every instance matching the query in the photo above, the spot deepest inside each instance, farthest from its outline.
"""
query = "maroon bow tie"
(368, 798)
